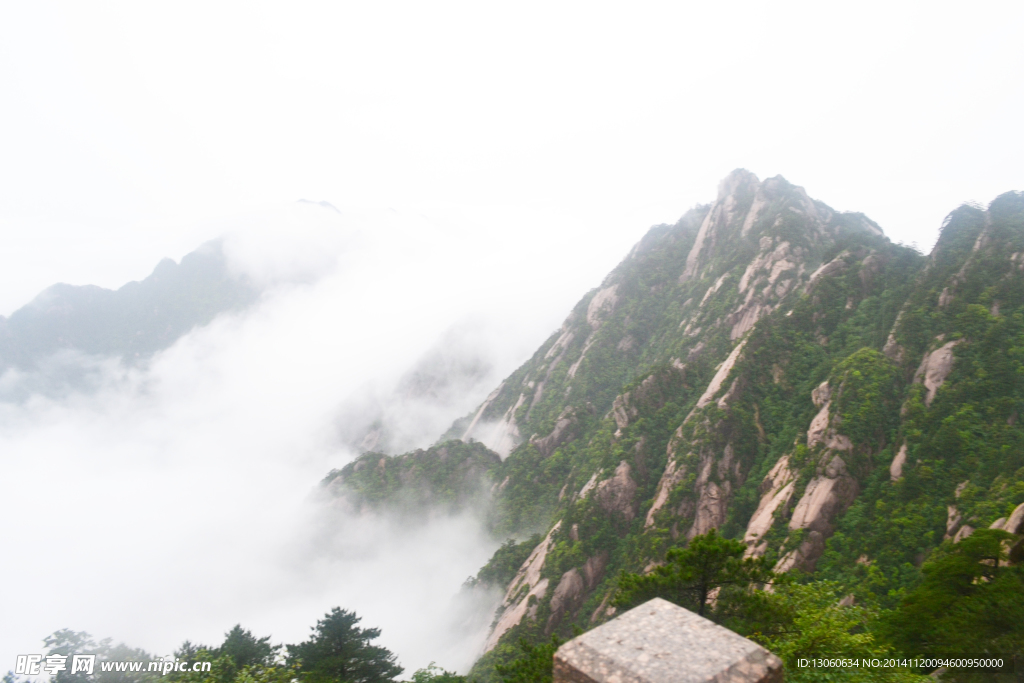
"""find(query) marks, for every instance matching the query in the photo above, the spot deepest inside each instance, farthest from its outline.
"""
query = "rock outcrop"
(1015, 523)
(935, 368)
(776, 491)
(565, 429)
(896, 466)
(827, 495)
(618, 494)
(573, 587)
(699, 362)
(527, 584)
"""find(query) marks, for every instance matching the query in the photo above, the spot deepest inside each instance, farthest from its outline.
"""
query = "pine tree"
(340, 652)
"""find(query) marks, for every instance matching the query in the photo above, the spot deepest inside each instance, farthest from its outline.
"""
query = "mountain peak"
(737, 180)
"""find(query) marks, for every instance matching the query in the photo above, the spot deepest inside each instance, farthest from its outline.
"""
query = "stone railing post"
(659, 642)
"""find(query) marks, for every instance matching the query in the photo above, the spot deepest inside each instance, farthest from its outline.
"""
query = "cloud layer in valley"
(176, 498)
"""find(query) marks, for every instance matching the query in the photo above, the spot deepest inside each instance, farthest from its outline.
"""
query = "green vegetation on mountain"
(839, 406)
(505, 562)
(809, 621)
(533, 665)
(709, 576)
(448, 477)
(968, 601)
(768, 391)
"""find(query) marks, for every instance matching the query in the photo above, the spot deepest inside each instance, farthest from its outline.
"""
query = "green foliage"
(340, 652)
(435, 674)
(267, 674)
(505, 562)
(241, 658)
(867, 397)
(224, 669)
(969, 602)
(448, 477)
(246, 651)
(808, 623)
(337, 652)
(530, 494)
(710, 577)
(533, 665)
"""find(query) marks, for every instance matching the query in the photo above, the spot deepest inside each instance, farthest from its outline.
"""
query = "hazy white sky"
(127, 127)
(524, 147)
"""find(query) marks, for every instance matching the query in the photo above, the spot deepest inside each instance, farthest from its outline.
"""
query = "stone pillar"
(659, 642)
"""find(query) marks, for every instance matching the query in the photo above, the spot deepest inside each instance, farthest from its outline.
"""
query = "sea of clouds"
(178, 497)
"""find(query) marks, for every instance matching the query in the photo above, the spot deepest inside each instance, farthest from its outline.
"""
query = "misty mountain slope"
(447, 478)
(775, 370)
(774, 291)
(134, 321)
(682, 301)
(448, 379)
(685, 292)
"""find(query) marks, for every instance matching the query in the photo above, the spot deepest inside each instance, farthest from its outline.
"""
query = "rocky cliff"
(779, 371)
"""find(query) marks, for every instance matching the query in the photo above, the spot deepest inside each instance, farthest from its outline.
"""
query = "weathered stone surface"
(527, 583)
(602, 305)
(777, 488)
(501, 437)
(965, 531)
(659, 642)
(953, 518)
(617, 493)
(573, 587)
(716, 382)
(830, 269)
(1015, 524)
(816, 432)
(589, 486)
(826, 497)
(626, 407)
(896, 466)
(710, 508)
(622, 412)
(820, 503)
(721, 214)
(672, 475)
(566, 427)
(730, 396)
(934, 369)
(712, 497)
(821, 394)
(567, 597)
(593, 569)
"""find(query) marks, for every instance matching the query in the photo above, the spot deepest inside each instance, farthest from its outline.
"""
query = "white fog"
(179, 499)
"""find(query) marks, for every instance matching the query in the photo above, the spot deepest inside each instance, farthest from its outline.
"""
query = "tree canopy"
(968, 603)
(340, 652)
(710, 577)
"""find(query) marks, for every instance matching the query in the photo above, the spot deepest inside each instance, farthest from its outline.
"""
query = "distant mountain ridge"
(133, 321)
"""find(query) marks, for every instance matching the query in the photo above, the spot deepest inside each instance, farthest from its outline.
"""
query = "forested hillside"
(780, 372)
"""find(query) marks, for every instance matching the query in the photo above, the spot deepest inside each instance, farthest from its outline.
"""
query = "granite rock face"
(659, 642)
